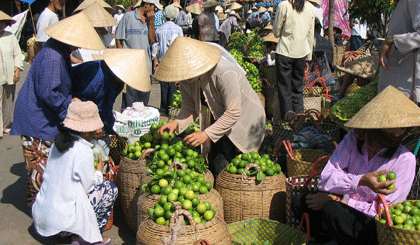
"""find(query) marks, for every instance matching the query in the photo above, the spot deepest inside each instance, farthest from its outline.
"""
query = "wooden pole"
(331, 21)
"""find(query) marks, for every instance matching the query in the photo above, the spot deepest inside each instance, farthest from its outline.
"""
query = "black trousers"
(290, 72)
(337, 222)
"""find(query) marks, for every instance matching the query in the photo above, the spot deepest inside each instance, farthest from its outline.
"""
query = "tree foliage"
(125, 3)
(375, 12)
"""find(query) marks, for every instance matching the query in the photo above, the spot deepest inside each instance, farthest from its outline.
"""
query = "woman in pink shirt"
(349, 182)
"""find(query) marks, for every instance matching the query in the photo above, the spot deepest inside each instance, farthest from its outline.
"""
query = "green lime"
(155, 189)
(191, 163)
(189, 194)
(163, 200)
(398, 212)
(181, 173)
(208, 215)
(172, 197)
(171, 151)
(160, 221)
(166, 190)
(391, 175)
(164, 147)
(417, 204)
(254, 155)
(406, 209)
(245, 157)
(270, 171)
(406, 203)
(181, 199)
(399, 220)
(399, 206)
(190, 152)
(382, 178)
(201, 208)
(203, 190)
(195, 201)
(168, 215)
(125, 152)
(164, 157)
(208, 185)
(382, 221)
(240, 170)
(236, 161)
(196, 186)
(178, 184)
(243, 164)
(187, 204)
(233, 170)
(187, 179)
(195, 214)
(165, 135)
(163, 183)
(278, 167)
(197, 219)
(208, 205)
(168, 206)
(266, 156)
(159, 212)
(390, 187)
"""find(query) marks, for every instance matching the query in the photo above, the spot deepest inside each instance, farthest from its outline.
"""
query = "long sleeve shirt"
(346, 166)
(182, 19)
(295, 30)
(45, 95)
(227, 26)
(10, 58)
(62, 203)
(236, 107)
(94, 81)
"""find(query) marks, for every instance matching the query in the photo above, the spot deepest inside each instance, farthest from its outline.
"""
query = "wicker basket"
(244, 198)
(131, 176)
(116, 146)
(147, 201)
(387, 234)
(173, 112)
(215, 232)
(312, 102)
(303, 160)
(262, 99)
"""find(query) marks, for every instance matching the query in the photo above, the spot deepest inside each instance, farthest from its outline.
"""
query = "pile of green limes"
(267, 166)
(405, 215)
(391, 175)
(200, 211)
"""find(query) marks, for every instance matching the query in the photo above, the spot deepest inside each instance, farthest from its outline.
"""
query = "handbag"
(306, 184)
(317, 68)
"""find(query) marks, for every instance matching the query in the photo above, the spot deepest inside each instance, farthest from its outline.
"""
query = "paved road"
(16, 225)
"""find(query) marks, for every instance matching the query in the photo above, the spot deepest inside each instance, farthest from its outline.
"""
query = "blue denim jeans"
(167, 90)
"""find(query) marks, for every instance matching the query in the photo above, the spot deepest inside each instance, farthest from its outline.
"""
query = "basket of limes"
(398, 223)
(178, 185)
(166, 225)
(252, 186)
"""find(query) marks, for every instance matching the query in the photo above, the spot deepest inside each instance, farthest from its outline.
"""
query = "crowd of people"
(82, 63)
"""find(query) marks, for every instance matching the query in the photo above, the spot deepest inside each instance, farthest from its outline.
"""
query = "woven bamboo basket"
(173, 112)
(215, 232)
(303, 160)
(131, 176)
(147, 201)
(388, 234)
(262, 99)
(245, 198)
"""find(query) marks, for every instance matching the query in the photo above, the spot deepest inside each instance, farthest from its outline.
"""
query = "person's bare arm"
(152, 33)
(201, 33)
(119, 43)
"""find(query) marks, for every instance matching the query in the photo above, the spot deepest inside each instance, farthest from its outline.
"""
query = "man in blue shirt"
(136, 30)
(42, 103)
(165, 35)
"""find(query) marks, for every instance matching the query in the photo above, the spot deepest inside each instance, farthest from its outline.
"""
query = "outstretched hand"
(384, 51)
(196, 139)
(170, 127)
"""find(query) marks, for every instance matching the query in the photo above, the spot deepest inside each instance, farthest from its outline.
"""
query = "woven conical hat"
(187, 58)
(235, 5)
(210, 3)
(77, 31)
(194, 8)
(86, 4)
(249, 11)
(270, 9)
(98, 16)
(4, 16)
(137, 4)
(262, 10)
(389, 109)
(120, 6)
(129, 65)
(219, 9)
(268, 27)
(176, 4)
(271, 38)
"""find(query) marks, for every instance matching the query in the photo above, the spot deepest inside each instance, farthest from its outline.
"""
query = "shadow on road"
(16, 193)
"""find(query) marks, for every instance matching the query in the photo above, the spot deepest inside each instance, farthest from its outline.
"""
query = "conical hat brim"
(4, 16)
(120, 6)
(268, 27)
(249, 11)
(86, 4)
(194, 8)
(187, 58)
(210, 3)
(129, 65)
(270, 9)
(137, 4)
(219, 9)
(261, 10)
(98, 16)
(365, 67)
(77, 31)
(176, 4)
(271, 38)
(389, 109)
(235, 5)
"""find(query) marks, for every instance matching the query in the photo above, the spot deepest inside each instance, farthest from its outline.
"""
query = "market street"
(15, 217)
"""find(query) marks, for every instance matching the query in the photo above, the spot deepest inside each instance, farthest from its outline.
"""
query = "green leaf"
(260, 176)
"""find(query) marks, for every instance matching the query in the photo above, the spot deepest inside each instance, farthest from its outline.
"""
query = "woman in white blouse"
(74, 198)
(10, 66)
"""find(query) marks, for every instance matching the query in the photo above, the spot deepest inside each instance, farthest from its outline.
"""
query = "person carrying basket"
(352, 178)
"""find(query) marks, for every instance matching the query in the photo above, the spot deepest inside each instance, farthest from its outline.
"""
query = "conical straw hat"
(262, 10)
(86, 4)
(137, 4)
(187, 58)
(365, 67)
(389, 109)
(249, 11)
(129, 65)
(4, 16)
(219, 9)
(271, 38)
(194, 8)
(176, 4)
(268, 27)
(98, 16)
(120, 6)
(77, 31)
(270, 9)
(210, 3)
(235, 5)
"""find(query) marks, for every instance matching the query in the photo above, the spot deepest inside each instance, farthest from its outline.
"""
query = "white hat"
(171, 12)
(155, 2)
